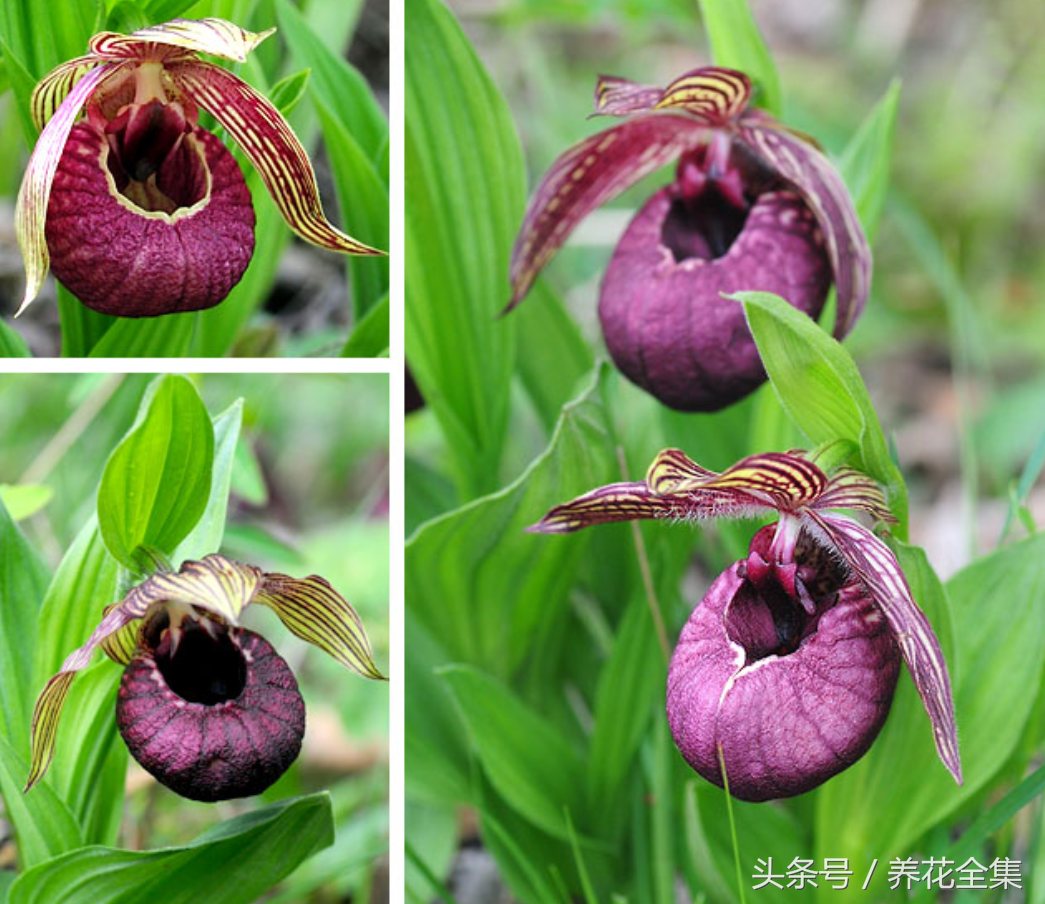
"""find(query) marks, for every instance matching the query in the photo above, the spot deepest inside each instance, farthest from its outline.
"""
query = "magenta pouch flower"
(137, 209)
(753, 206)
(209, 708)
(786, 669)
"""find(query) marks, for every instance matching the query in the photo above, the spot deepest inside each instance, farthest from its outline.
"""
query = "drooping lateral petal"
(214, 583)
(851, 489)
(623, 502)
(52, 90)
(778, 480)
(49, 704)
(214, 36)
(822, 188)
(272, 148)
(874, 563)
(31, 208)
(316, 612)
(618, 97)
(121, 645)
(715, 94)
(587, 175)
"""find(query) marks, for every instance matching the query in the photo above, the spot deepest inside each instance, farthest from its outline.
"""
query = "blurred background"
(309, 496)
(952, 342)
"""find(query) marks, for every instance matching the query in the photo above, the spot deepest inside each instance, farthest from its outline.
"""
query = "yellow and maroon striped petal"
(317, 613)
(876, 566)
(618, 97)
(823, 190)
(272, 148)
(587, 175)
(121, 646)
(52, 90)
(31, 208)
(715, 94)
(615, 502)
(214, 583)
(180, 39)
(851, 489)
(49, 704)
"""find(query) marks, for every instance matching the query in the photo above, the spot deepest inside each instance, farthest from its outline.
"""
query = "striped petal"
(587, 175)
(778, 480)
(715, 94)
(272, 148)
(619, 97)
(214, 36)
(31, 208)
(219, 585)
(851, 489)
(874, 563)
(121, 646)
(49, 704)
(616, 502)
(316, 612)
(52, 90)
(823, 190)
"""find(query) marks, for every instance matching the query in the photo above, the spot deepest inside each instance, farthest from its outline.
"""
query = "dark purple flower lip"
(729, 156)
(788, 666)
(212, 712)
(791, 697)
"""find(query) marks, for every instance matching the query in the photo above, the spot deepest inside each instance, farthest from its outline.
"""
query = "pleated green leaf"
(157, 481)
(737, 43)
(867, 160)
(232, 863)
(465, 183)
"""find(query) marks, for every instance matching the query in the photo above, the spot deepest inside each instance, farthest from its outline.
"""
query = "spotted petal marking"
(615, 502)
(214, 36)
(31, 208)
(874, 563)
(52, 90)
(272, 148)
(588, 175)
(715, 94)
(49, 704)
(317, 613)
(820, 186)
(851, 489)
(618, 97)
(214, 583)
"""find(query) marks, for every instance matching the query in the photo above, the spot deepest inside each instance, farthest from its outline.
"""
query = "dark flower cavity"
(785, 671)
(752, 207)
(206, 706)
(212, 712)
(790, 674)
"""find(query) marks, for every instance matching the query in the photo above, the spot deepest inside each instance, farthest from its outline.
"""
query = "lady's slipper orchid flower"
(138, 210)
(753, 207)
(787, 668)
(208, 707)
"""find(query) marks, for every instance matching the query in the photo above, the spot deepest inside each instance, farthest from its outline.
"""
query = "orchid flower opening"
(788, 665)
(137, 209)
(207, 707)
(753, 207)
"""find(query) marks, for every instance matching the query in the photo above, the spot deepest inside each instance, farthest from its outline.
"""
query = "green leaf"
(336, 84)
(232, 863)
(82, 328)
(487, 591)
(157, 481)
(43, 824)
(899, 790)
(465, 180)
(23, 500)
(286, 94)
(821, 390)
(12, 345)
(363, 198)
(207, 535)
(867, 160)
(23, 580)
(737, 43)
(525, 757)
(170, 336)
(369, 339)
